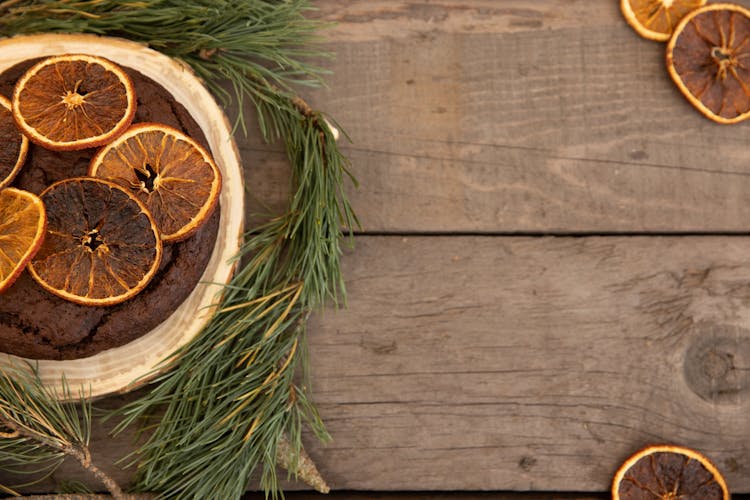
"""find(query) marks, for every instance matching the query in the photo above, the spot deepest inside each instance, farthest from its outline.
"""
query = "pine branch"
(231, 397)
(253, 44)
(41, 430)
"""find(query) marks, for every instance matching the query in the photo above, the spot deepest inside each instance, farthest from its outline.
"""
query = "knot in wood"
(527, 463)
(716, 365)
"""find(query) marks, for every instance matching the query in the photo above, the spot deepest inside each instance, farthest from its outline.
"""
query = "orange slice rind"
(101, 245)
(669, 472)
(73, 101)
(708, 58)
(22, 229)
(168, 171)
(656, 19)
(14, 146)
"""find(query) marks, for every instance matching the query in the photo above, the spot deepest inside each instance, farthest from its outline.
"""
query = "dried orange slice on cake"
(101, 246)
(669, 472)
(656, 19)
(13, 144)
(709, 59)
(22, 229)
(73, 101)
(168, 171)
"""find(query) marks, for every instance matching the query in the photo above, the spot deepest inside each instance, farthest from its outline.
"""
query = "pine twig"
(80, 453)
(300, 464)
(84, 458)
(43, 430)
(302, 106)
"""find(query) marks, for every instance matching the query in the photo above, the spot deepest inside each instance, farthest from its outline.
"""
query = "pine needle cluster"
(233, 396)
(262, 47)
(40, 428)
(236, 399)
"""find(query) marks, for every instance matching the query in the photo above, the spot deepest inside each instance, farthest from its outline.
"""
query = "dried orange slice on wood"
(669, 473)
(656, 19)
(22, 229)
(709, 59)
(168, 171)
(101, 246)
(13, 144)
(73, 102)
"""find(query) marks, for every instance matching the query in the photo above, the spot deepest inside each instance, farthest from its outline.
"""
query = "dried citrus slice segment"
(708, 59)
(670, 473)
(101, 246)
(15, 145)
(656, 19)
(22, 228)
(73, 101)
(168, 171)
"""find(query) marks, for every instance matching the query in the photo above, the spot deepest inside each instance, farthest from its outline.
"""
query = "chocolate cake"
(35, 324)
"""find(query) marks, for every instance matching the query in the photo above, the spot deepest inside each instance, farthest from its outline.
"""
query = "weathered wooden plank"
(511, 363)
(544, 116)
(532, 364)
(355, 495)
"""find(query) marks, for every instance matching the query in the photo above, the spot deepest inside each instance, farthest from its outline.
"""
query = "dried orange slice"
(669, 473)
(168, 171)
(22, 227)
(656, 19)
(14, 145)
(73, 101)
(708, 59)
(101, 246)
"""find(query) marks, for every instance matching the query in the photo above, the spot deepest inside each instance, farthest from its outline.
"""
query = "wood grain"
(532, 363)
(352, 495)
(357, 495)
(506, 117)
(511, 363)
(540, 364)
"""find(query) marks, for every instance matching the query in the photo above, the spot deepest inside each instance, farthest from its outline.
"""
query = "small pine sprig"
(38, 430)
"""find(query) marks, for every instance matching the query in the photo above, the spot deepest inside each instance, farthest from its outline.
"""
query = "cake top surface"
(34, 323)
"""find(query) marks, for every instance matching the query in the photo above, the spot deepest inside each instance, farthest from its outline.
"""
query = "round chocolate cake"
(36, 324)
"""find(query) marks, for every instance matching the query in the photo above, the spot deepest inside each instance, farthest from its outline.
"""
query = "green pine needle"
(37, 430)
(234, 394)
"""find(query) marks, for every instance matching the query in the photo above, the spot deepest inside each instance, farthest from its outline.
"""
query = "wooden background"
(553, 269)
